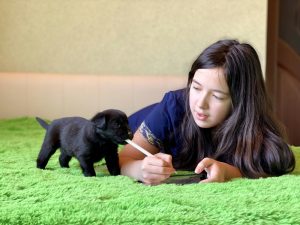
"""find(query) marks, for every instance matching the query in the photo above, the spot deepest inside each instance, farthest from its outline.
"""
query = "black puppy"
(87, 140)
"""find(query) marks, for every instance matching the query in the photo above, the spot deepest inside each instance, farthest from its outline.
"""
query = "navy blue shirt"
(160, 123)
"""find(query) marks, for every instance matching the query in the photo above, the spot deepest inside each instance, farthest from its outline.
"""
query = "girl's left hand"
(217, 171)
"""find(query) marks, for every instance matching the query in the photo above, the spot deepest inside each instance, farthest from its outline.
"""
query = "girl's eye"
(197, 88)
(218, 97)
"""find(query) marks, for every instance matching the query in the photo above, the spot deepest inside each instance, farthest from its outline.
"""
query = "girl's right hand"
(157, 168)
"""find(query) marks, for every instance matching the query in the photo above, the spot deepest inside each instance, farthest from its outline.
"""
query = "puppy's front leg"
(112, 161)
(87, 166)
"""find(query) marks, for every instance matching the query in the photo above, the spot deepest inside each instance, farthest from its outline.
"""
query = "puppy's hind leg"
(44, 155)
(64, 160)
(50, 145)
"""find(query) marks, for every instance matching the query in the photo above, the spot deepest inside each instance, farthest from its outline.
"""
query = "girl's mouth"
(201, 117)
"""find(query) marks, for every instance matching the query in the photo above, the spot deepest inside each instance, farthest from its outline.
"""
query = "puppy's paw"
(115, 172)
(40, 167)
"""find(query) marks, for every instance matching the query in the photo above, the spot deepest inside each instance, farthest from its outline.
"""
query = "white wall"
(57, 95)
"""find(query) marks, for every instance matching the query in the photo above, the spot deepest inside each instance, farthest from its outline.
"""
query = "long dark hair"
(250, 138)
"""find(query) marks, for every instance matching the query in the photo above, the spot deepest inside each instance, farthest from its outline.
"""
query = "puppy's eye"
(117, 125)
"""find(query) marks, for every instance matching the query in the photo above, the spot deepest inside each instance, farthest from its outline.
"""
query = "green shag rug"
(64, 196)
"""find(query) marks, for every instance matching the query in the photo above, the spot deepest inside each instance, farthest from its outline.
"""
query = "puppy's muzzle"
(122, 139)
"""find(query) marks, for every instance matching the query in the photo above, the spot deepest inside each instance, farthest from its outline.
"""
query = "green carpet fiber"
(64, 196)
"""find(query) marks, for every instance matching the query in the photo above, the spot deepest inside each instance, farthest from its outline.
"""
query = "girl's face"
(210, 102)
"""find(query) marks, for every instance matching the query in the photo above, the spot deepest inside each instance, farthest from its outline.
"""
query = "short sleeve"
(161, 126)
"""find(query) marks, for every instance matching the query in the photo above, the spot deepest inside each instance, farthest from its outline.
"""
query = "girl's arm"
(149, 170)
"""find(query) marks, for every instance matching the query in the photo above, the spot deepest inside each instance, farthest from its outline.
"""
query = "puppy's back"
(70, 125)
(74, 133)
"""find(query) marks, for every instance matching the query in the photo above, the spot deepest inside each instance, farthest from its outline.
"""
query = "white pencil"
(139, 147)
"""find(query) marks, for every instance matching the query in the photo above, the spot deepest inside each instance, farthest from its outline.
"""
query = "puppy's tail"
(42, 122)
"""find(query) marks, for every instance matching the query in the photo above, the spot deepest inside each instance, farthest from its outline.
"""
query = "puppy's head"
(112, 124)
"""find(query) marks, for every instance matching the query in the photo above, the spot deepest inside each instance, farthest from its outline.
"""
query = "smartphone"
(186, 178)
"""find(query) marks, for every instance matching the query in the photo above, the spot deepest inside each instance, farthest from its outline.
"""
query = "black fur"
(87, 140)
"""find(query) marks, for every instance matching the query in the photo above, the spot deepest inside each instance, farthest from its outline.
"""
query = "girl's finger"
(155, 166)
(203, 164)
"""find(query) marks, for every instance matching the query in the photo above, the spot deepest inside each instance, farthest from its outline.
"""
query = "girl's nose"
(202, 102)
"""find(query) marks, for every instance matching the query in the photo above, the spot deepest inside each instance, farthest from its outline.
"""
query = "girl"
(222, 122)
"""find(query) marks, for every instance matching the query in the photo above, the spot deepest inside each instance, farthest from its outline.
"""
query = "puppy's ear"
(100, 123)
(97, 116)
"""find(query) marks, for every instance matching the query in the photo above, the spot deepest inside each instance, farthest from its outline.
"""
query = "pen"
(144, 151)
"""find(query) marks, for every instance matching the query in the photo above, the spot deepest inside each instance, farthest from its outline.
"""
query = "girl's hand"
(217, 171)
(156, 169)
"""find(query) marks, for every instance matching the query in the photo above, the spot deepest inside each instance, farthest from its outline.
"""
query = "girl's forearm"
(131, 167)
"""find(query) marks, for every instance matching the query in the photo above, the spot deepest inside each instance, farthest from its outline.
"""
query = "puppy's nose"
(130, 134)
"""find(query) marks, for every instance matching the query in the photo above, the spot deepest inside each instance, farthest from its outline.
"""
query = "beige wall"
(138, 37)
(76, 57)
